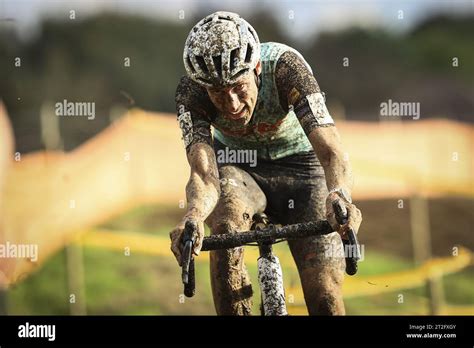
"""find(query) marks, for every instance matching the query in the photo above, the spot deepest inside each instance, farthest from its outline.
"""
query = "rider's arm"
(203, 189)
(328, 148)
(299, 91)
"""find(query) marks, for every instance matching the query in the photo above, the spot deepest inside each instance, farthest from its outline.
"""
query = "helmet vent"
(218, 64)
(248, 55)
(233, 54)
(207, 20)
(253, 34)
(202, 64)
(226, 18)
(191, 65)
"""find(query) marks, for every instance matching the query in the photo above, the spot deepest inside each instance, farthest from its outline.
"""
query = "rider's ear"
(258, 68)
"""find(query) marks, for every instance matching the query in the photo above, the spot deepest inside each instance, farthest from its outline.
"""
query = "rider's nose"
(233, 102)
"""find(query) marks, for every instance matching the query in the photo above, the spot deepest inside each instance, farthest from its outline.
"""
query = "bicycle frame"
(270, 279)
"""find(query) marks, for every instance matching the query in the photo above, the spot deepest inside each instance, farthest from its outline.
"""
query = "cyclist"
(261, 98)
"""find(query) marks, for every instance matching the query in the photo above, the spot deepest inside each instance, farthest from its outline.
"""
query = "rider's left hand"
(347, 213)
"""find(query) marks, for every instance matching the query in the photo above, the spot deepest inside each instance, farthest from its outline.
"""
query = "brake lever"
(187, 259)
(351, 260)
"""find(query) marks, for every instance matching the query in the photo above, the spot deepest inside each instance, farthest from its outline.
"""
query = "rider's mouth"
(239, 115)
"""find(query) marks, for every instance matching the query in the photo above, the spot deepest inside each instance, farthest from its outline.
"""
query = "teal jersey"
(274, 131)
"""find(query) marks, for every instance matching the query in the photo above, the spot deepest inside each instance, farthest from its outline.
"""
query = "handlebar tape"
(187, 259)
(351, 246)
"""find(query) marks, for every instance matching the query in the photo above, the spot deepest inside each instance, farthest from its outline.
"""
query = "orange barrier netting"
(48, 196)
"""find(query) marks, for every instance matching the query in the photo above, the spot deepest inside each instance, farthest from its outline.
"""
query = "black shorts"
(295, 186)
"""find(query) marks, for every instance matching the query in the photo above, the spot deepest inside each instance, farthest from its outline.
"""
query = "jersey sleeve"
(299, 91)
(194, 110)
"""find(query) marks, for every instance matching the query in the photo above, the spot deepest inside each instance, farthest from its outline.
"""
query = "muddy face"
(237, 101)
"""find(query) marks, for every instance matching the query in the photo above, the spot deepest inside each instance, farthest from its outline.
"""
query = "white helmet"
(220, 48)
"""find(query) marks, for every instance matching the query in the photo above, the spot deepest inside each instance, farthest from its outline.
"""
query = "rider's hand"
(347, 212)
(176, 236)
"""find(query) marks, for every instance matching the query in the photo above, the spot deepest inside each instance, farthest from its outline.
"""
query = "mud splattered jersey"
(289, 106)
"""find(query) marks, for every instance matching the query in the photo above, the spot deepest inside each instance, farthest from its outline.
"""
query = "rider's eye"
(217, 93)
(240, 88)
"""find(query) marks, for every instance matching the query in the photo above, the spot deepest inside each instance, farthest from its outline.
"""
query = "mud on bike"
(264, 235)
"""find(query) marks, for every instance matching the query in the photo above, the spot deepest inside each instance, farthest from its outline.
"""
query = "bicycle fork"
(270, 278)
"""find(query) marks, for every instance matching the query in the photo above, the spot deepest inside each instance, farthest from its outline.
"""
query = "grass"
(455, 286)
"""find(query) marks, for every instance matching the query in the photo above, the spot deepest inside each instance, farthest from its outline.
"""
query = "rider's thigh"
(322, 254)
(240, 198)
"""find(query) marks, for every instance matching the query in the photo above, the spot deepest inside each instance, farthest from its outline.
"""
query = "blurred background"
(413, 177)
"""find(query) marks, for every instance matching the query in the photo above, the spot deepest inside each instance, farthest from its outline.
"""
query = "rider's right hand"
(176, 236)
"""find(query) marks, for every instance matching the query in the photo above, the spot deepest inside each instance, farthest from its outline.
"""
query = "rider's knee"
(228, 172)
(325, 274)
(229, 215)
(323, 291)
(332, 278)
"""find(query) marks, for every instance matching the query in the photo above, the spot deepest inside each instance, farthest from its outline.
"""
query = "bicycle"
(270, 275)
